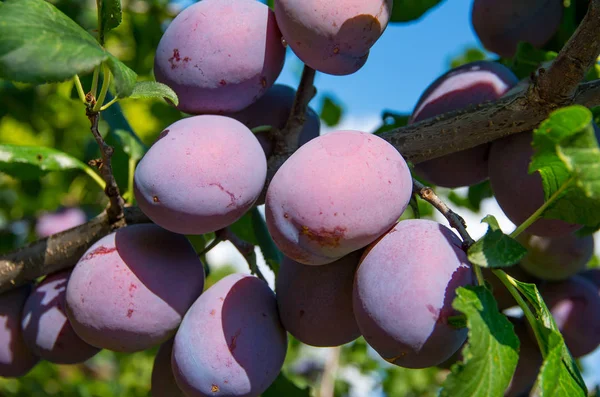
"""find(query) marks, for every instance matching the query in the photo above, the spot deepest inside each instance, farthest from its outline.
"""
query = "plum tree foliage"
(110, 264)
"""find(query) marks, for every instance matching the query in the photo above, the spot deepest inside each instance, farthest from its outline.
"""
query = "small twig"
(327, 386)
(116, 205)
(455, 220)
(244, 248)
(287, 139)
(218, 239)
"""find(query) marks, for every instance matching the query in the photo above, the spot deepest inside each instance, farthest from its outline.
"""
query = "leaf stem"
(479, 275)
(95, 78)
(94, 175)
(111, 102)
(261, 128)
(510, 284)
(104, 90)
(79, 88)
(131, 172)
(534, 217)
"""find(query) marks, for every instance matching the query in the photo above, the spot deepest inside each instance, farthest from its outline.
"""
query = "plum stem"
(510, 284)
(244, 248)
(217, 240)
(534, 217)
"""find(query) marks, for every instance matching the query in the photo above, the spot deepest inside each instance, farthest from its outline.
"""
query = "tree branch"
(558, 84)
(59, 251)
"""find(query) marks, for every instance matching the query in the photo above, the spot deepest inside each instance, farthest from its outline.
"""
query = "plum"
(220, 56)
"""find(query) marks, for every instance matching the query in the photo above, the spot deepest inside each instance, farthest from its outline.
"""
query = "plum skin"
(163, 381)
(317, 217)
(403, 293)
(46, 328)
(16, 359)
(201, 175)
(575, 306)
(501, 25)
(469, 84)
(315, 302)
(519, 193)
(220, 56)
(231, 341)
(61, 220)
(131, 289)
(329, 38)
(556, 258)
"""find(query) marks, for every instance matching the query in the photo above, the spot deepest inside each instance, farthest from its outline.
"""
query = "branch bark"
(59, 251)
(448, 133)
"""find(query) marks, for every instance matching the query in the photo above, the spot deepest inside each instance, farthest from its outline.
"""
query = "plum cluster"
(350, 267)
(221, 56)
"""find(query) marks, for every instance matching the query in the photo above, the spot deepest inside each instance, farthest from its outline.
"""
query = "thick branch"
(559, 83)
(59, 251)
(116, 203)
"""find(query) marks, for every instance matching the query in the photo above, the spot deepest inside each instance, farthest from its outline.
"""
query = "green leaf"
(244, 229)
(554, 378)
(495, 249)
(284, 387)
(392, 120)
(528, 59)
(110, 15)
(568, 159)
(491, 354)
(268, 248)
(131, 144)
(40, 44)
(409, 10)
(124, 78)
(32, 162)
(331, 111)
(469, 55)
(153, 89)
(559, 369)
